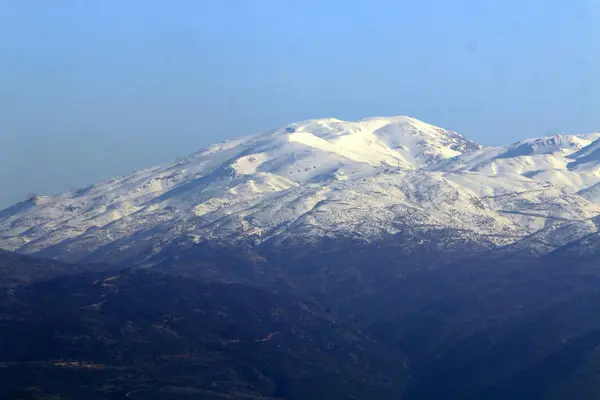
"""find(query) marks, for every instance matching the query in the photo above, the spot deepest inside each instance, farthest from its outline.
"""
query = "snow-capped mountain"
(325, 179)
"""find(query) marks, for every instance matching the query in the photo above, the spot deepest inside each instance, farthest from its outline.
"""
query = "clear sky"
(98, 88)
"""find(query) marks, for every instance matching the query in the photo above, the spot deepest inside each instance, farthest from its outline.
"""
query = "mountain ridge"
(324, 178)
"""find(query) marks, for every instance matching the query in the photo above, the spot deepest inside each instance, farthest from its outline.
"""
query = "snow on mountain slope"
(531, 204)
(366, 208)
(557, 159)
(237, 171)
(316, 179)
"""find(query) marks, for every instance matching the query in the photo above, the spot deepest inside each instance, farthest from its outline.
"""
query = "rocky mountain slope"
(323, 179)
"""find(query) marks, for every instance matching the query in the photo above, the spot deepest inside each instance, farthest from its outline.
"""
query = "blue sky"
(98, 88)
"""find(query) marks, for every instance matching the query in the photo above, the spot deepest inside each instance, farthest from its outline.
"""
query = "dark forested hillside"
(396, 319)
(146, 335)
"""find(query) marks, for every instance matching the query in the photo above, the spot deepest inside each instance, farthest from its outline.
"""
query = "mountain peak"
(397, 140)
